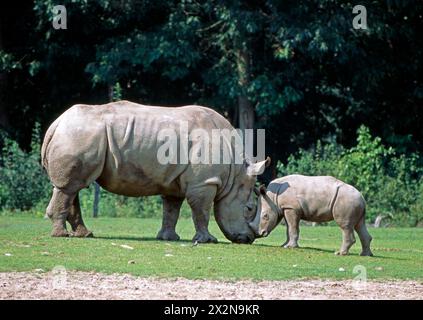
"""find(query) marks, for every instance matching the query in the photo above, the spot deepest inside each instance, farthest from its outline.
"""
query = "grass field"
(25, 245)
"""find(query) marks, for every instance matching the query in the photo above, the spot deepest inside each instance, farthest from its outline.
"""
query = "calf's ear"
(263, 190)
(267, 162)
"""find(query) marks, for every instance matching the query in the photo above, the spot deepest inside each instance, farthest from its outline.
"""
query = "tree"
(296, 68)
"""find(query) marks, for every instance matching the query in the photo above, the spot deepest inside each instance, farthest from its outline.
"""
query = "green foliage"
(391, 184)
(117, 92)
(8, 62)
(23, 183)
(308, 74)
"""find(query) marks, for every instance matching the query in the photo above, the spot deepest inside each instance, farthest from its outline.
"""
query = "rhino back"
(117, 143)
(314, 195)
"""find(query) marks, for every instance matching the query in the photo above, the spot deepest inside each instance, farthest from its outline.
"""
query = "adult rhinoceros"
(116, 144)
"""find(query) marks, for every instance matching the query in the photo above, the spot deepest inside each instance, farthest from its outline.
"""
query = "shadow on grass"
(135, 238)
(186, 241)
(304, 249)
(153, 239)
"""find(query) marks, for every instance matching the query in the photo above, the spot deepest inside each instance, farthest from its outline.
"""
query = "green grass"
(398, 252)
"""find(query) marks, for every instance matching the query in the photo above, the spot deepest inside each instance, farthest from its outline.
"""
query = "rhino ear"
(214, 181)
(256, 169)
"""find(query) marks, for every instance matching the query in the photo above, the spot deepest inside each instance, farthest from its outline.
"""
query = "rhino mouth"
(244, 238)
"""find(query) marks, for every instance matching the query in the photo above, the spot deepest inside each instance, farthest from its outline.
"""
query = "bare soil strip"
(86, 285)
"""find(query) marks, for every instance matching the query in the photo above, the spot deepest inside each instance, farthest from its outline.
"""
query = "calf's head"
(268, 213)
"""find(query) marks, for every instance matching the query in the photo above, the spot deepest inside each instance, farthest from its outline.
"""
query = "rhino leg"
(75, 220)
(171, 208)
(201, 201)
(293, 228)
(348, 240)
(58, 211)
(287, 234)
(365, 237)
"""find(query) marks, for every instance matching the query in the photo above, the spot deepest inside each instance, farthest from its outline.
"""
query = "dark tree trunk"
(245, 107)
(245, 113)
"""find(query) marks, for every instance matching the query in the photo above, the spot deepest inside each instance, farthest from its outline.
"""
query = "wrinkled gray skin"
(316, 199)
(116, 145)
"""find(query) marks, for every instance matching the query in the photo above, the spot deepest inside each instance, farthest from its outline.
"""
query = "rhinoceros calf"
(316, 199)
(117, 145)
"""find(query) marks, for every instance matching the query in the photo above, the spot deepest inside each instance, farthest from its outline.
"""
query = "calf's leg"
(287, 234)
(293, 228)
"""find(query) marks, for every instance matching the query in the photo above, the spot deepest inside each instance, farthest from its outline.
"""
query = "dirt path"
(84, 285)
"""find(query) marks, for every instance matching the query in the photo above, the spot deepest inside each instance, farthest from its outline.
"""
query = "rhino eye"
(249, 207)
(266, 216)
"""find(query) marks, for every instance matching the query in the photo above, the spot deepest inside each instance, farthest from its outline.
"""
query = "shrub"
(391, 184)
(23, 183)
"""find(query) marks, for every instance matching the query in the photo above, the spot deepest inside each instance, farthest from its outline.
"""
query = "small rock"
(379, 268)
(126, 247)
(168, 255)
(131, 262)
(39, 270)
(295, 265)
(114, 244)
(183, 245)
(341, 269)
(45, 253)
(8, 254)
(209, 258)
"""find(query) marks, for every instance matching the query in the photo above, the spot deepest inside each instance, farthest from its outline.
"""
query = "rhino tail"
(47, 139)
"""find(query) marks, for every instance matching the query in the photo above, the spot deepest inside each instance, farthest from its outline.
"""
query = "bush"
(391, 184)
(23, 182)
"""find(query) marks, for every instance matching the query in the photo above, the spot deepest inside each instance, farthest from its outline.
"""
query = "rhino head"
(235, 211)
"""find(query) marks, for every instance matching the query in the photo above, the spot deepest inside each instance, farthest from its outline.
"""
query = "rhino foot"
(366, 253)
(60, 233)
(341, 253)
(82, 234)
(204, 237)
(291, 246)
(167, 235)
